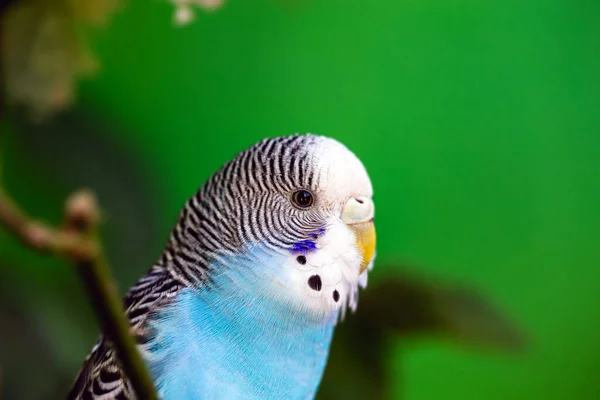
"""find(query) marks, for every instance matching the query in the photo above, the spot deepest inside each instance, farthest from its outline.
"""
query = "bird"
(265, 260)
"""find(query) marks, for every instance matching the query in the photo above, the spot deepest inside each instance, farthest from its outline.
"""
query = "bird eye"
(303, 198)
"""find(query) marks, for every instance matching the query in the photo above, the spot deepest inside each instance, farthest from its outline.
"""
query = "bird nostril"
(357, 210)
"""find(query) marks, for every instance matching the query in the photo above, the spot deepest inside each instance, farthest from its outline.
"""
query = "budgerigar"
(264, 261)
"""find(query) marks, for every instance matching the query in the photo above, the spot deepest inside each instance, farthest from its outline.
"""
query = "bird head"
(306, 202)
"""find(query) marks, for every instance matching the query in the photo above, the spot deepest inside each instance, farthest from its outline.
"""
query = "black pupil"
(303, 198)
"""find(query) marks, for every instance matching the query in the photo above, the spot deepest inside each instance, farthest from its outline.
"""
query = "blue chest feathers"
(239, 338)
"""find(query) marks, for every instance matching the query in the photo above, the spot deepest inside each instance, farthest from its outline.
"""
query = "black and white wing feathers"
(101, 377)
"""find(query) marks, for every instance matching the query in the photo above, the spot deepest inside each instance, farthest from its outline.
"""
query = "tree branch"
(77, 241)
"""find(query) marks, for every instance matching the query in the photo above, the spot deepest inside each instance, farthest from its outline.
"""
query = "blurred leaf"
(404, 305)
(44, 51)
(411, 305)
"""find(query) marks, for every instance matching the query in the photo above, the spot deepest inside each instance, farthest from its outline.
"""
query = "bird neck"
(240, 336)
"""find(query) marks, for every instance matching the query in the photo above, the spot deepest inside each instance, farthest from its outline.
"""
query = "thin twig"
(78, 242)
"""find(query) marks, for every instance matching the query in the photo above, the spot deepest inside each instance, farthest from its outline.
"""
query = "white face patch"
(326, 280)
(320, 275)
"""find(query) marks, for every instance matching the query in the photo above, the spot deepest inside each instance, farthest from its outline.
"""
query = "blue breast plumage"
(237, 338)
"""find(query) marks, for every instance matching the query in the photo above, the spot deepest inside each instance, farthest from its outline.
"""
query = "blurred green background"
(479, 123)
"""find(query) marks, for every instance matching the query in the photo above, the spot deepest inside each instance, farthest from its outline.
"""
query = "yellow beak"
(358, 215)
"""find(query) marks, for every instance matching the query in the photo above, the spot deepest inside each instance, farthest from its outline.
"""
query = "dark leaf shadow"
(403, 305)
